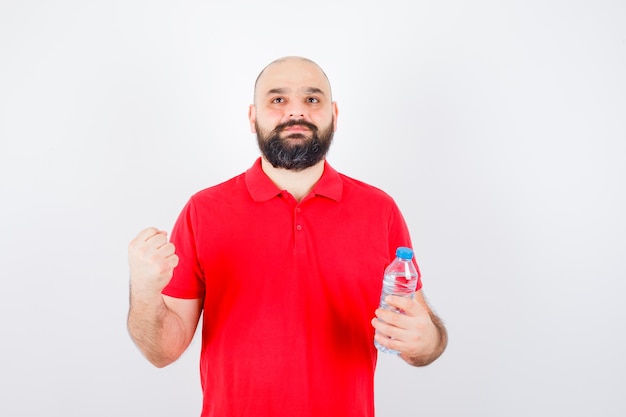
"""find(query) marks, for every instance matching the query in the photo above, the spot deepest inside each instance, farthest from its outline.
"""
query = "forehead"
(292, 75)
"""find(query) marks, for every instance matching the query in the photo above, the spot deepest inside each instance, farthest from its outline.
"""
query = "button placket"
(299, 229)
(297, 218)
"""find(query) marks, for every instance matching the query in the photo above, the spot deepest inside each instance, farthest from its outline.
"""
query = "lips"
(296, 128)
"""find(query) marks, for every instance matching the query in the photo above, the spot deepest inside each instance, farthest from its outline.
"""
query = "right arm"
(162, 327)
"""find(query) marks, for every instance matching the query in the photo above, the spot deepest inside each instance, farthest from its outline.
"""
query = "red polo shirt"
(289, 292)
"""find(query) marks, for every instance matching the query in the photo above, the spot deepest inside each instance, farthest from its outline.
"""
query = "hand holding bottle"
(409, 331)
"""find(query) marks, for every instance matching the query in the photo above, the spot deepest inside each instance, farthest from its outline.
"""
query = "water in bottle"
(400, 279)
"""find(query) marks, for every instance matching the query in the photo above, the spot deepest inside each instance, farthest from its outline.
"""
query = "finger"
(395, 319)
(382, 328)
(408, 305)
(167, 250)
(139, 241)
(391, 343)
(386, 332)
(146, 234)
(173, 260)
(157, 240)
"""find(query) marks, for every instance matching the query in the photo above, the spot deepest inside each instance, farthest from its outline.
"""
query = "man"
(285, 262)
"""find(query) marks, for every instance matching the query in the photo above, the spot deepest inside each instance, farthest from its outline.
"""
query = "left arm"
(419, 334)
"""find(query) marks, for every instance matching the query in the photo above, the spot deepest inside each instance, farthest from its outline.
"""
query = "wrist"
(142, 296)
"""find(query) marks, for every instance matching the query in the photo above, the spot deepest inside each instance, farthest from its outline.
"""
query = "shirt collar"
(261, 188)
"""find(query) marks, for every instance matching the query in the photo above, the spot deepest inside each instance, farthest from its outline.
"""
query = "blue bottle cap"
(404, 252)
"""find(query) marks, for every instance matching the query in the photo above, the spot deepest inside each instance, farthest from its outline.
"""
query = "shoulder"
(215, 199)
(360, 189)
(220, 190)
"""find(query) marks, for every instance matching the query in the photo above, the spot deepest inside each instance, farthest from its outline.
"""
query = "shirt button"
(299, 227)
(298, 210)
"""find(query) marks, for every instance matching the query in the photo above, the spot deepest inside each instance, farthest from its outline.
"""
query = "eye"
(313, 100)
(278, 100)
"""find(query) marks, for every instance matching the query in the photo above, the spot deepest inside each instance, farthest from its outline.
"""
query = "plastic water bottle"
(400, 279)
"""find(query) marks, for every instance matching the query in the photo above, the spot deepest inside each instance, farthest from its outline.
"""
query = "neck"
(298, 183)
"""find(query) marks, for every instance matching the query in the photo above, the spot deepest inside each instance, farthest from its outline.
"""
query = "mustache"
(304, 123)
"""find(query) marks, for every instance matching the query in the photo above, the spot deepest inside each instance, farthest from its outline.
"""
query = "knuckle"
(132, 245)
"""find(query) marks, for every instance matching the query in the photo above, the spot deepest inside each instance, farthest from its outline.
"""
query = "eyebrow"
(307, 90)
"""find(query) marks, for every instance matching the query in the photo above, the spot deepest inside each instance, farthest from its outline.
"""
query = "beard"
(296, 151)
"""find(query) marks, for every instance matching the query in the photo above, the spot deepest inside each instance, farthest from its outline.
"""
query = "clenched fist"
(152, 260)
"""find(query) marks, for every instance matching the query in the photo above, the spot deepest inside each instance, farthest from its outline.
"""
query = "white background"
(498, 126)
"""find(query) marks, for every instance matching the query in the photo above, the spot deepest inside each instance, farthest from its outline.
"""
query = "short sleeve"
(188, 279)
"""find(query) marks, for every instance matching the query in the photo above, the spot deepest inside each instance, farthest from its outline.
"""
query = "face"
(293, 115)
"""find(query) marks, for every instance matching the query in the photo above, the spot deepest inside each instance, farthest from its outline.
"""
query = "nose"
(296, 111)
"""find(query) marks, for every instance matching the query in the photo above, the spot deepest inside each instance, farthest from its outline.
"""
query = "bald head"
(287, 69)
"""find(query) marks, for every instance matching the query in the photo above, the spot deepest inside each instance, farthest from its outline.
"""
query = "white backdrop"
(498, 126)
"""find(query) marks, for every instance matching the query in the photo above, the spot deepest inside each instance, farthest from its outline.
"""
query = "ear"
(252, 117)
(335, 115)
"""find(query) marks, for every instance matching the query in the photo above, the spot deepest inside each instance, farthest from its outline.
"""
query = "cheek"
(323, 121)
(324, 117)
(269, 120)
